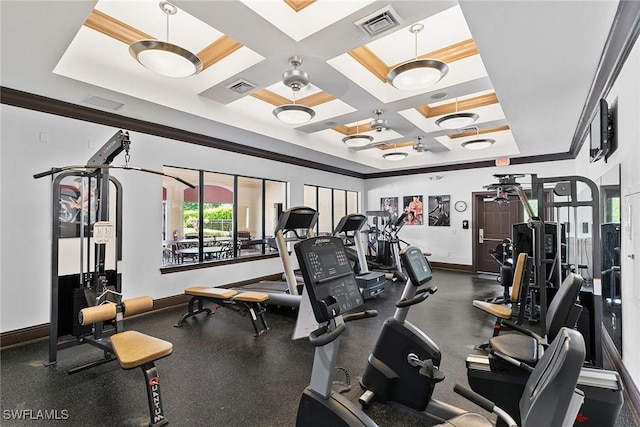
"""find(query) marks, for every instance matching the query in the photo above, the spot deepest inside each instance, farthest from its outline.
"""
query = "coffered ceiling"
(524, 67)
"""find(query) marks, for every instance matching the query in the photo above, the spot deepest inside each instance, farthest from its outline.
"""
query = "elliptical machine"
(403, 366)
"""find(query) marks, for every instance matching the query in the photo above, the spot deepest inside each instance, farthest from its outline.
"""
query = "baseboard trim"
(631, 392)
(38, 332)
(453, 267)
(24, 335)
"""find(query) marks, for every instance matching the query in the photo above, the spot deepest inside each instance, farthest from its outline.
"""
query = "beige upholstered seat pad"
(498, 310)
(205, 291)
(251, 296)
(134, 348)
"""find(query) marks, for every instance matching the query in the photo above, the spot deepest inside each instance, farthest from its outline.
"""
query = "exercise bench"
(240, 302)
(131, 348)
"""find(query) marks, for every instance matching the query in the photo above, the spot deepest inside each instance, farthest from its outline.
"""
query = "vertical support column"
(156, 413)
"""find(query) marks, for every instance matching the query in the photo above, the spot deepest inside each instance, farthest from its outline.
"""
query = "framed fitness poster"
(439, 210)
(412, 205)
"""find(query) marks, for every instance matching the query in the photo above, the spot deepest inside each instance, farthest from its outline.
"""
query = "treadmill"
(370, 283)
(295, 224)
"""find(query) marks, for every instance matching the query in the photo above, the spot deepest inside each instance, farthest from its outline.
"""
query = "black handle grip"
(360, 315)
(421, 295)
(47, 173)
(519, 328)
(511, 360)
(321, 337)
(474, 397)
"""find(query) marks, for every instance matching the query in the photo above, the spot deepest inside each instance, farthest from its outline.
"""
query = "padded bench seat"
(134, 349)
(208, 292)
(241, 302)
(497, 310)
(251, 296)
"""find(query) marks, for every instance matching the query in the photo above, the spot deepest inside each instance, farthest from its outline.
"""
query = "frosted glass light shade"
(165, 58)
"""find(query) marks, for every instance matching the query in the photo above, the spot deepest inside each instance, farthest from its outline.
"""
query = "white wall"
(25, 230)
(626, 93)
(451, 244)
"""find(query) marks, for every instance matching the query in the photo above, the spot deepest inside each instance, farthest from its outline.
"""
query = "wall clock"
(460, 206)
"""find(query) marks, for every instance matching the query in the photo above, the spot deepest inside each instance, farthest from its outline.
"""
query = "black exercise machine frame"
(255, 309)
(96, 277)
(97, 168)
(565, 186)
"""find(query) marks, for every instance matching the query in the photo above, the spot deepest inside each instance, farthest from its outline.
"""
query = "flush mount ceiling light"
(379, 124)
(478, 144)
(418, 73)
(457, 120)
(357, 140)
(395, 156)
(420, 146)
(294, 114)
(163, 57)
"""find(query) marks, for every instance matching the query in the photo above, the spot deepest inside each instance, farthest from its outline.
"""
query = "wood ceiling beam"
(380, 69)
(310, 101)
(479, 132)
(298, 5)
(218, 50)
(370, 61)
(455, 52)
(316, 99)
(462, 105)
(398, 145)
(110, 26)
(270, 97)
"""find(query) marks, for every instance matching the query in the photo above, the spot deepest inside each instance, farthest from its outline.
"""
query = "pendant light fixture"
(357, 140)
(295, 79)
(457, 120)
(163, 57)
(417, 74)
(478, 143)
(395, 155)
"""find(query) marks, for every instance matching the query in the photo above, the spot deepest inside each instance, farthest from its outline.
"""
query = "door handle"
(481, 235)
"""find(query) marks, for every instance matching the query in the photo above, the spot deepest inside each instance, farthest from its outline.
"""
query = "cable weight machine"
(567, 195)
(90, 214)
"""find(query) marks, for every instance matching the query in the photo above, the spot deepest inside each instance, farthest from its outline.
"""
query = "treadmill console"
(328, 277)
(416, 264)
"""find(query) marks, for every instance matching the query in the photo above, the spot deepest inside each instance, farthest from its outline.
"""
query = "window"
(331, 203)
(223, 216)
(611, 204)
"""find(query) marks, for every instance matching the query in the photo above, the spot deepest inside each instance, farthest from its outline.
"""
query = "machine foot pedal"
(431, 372)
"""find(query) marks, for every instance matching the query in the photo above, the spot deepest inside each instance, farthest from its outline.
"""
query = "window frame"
(236, 256)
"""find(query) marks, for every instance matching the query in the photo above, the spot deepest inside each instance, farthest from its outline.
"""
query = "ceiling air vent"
(98, 101)
(241, 86)
(379, 22)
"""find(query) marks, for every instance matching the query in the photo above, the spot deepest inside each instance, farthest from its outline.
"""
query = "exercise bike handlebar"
(474, 397)
(323, 336)
(485, 404)
(360, 315)
(421, 295)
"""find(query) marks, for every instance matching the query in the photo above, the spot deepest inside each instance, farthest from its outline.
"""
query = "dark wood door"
(493, 223)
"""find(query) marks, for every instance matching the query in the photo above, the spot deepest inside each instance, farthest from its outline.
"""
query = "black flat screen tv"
(601, 132)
